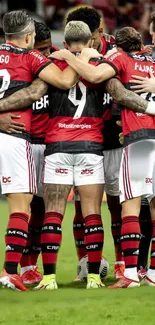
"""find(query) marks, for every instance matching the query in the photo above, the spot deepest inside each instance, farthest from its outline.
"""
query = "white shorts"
(17, 169)
(73, 169)
(112, 162)
(38, 154)
(137, 170)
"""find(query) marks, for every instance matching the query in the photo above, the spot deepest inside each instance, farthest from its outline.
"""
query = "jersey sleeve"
(62, 65)
(37, 62)
(118, 61)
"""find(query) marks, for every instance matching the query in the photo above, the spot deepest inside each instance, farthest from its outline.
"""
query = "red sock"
(79, 231)
(94, 241)
(152, 263)
(15, 239)
(130, 239)
(51, 240)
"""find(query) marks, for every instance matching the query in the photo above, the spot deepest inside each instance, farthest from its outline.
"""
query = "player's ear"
(90, 43)
(65, 45)
(100, 30)
(27, 38)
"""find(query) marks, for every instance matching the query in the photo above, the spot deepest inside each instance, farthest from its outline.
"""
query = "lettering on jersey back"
(144, 68)
(4, 58)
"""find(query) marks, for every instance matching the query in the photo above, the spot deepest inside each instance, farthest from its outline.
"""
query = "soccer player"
(30, 274)
(146, 84)
(73, 154)
(18, 67)
(112, 158)
(139, 135)
(112, 148)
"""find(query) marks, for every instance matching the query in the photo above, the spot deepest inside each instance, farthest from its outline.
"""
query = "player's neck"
(100, 47)
(18, 43)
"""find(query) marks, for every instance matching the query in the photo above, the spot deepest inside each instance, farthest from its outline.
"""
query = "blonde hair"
(77, 31)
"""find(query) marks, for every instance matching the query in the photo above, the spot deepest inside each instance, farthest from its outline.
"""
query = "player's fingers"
(151, 74)
(138, 77)
(14, 116)
(139, 91)
(119, 123)
(137, 82)
(137, 87)
(14, 130)
(18, 124)
(18, 128)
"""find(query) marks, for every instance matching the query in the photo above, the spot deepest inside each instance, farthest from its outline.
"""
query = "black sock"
(146, 231)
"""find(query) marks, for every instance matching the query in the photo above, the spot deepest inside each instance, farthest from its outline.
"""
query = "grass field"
(72, 304)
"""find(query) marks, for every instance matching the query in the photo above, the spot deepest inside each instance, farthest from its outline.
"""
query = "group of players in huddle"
(70, 138)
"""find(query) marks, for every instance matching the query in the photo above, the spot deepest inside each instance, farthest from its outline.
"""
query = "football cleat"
(12, 281)
(148, 282)
(31, 277)
(94, 281)
(124, 282)
(142, 273)
(48, 283)
(119, 270)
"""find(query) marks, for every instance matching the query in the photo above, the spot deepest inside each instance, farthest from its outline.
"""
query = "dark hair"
(17, 22)
(152, 20)
(42, 32)
(128, 39)
(88, 15)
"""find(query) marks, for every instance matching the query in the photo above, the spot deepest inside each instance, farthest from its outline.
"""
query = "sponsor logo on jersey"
(61, 171)
(74, 126)
(43, 102)
(148, 180)
(6, 180)
(87, 171)
(9, 248)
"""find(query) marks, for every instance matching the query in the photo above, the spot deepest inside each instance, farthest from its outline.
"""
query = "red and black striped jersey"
(107, 45)
(136, 126)
(40, 115)
(18, 68)
(111, 129)
(39, 120)
(76, 117)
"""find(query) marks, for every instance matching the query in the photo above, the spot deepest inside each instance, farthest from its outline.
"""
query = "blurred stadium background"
(115, 13)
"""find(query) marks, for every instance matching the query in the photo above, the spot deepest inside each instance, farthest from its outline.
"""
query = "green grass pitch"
(72, 304)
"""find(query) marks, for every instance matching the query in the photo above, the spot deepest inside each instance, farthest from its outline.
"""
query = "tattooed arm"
(24, 97)
(126, 97)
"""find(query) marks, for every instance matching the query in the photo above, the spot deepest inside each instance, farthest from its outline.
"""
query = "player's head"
(92, 18)
(77, 36)
(43, 38)
(152, 27)
(19, 27)
(128, 39)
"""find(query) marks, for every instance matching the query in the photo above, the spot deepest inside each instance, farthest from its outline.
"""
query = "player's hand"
(89, 53)
(61, 55)
(110, 52)
(119, 123)
(108, 37)
(7, 124)
(148, 49)
(143, 85)
(121, 138)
